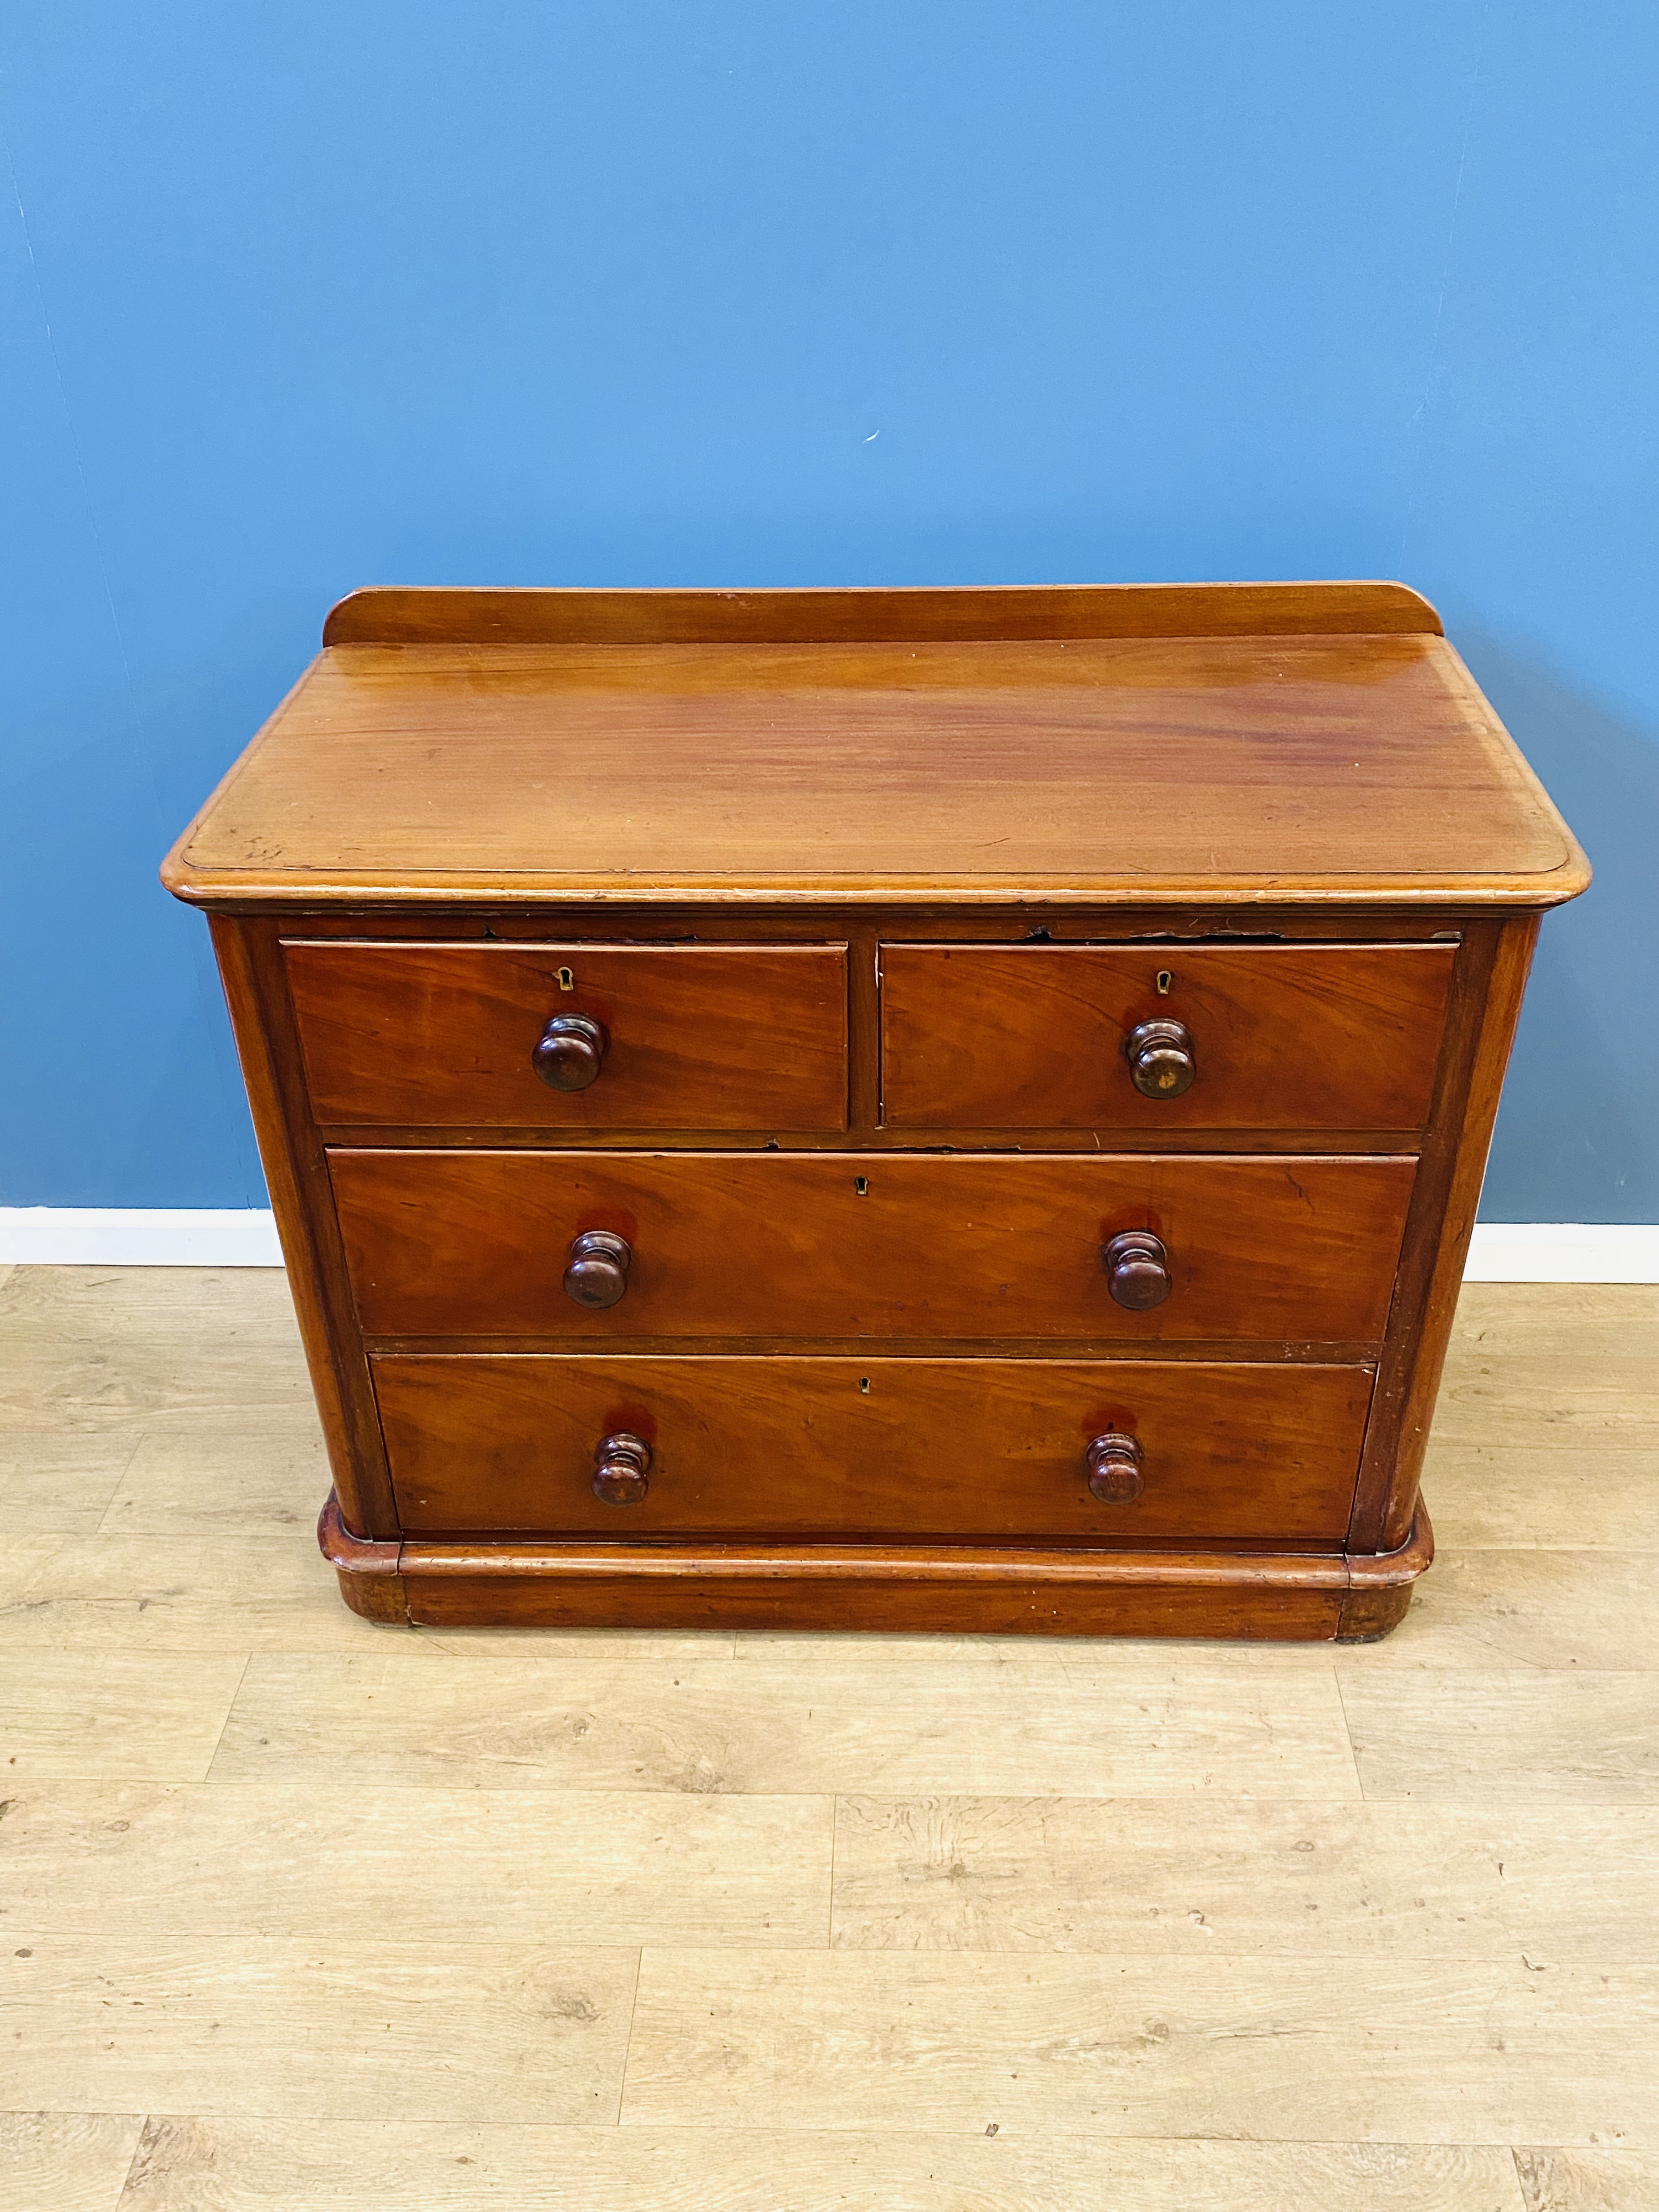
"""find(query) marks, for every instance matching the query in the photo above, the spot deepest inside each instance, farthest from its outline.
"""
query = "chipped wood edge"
(367, 1566)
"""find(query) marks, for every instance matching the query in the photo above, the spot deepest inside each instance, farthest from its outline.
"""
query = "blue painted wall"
(690, 291)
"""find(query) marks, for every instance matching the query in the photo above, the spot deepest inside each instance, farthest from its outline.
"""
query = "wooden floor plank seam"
(1348, 1730)
(829, 1913)
(230, 1709)
(138, 1443)
(627, 2039)
(125, 2191)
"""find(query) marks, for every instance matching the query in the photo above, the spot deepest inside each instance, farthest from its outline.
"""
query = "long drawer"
(442, 1243)
(693, 1036)
(1060, 1037)
(876, 1448)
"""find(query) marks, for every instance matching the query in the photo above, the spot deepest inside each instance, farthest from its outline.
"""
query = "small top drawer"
(1256, 1037)
(576, 1037)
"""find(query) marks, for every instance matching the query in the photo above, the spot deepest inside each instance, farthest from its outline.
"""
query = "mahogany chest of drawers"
(942, 1109)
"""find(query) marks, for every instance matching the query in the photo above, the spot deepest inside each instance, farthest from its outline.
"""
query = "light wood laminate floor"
(310, 1915)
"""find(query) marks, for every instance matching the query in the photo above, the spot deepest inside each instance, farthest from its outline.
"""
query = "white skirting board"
(138, 1236)
(1563, 1252)
(157, 1237)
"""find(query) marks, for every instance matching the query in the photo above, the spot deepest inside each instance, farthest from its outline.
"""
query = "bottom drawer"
(875, 1448)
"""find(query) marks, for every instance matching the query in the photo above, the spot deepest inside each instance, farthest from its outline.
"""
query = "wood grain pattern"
(535, 1588)
(1615, 1404)
(23, 1558)
(119, 1714)
(1543, 1736)
(1355, 1883)
(1601, 2179)
(697, 1036)
(1546, 1428)
(183, 1483)
(256, 994)
(101, 1353)
(1572, 1495)
(1492, 979)
(419, 1866)
(369, 2166)
(399, 616)
(986, 1449)
(327, 2025)
(228, 1591)
(460, 1244)
(1509, 1324)
(52, 1485)
(1567, 1609)
(1221, 2046)
(69, 2161)
(1286, 1036)
(881, 772)
(1024, 1717)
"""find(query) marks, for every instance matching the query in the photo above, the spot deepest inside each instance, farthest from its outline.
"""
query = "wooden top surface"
(1140, 745)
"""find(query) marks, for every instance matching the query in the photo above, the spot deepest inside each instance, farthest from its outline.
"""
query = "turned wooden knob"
(1137, 1269)
(1161, 1059)
(1115, 1475)
(597, 1275)
(621, 1465)
(569, 1053)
